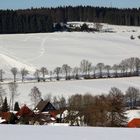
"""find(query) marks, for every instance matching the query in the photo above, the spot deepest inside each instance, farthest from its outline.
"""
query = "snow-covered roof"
(132, 114)
(2, 120)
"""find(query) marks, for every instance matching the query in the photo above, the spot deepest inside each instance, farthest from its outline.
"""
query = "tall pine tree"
(5, 107)
(16, 107)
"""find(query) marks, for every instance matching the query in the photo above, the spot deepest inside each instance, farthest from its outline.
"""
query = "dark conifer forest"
(37, 20)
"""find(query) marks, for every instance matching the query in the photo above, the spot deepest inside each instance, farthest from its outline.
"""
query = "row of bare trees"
(100, 110)
(23, 72)
(127, 67)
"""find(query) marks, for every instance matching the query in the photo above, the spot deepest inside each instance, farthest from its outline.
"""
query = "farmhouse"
(44, 107)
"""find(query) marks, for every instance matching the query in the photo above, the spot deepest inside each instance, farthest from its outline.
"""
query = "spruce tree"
(116, 108)
(5, 106)
(16, 107)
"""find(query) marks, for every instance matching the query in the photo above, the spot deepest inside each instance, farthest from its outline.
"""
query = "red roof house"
(24, 111)
(135, 123)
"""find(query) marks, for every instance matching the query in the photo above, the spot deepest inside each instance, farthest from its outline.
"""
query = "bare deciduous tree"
(115, 68)
(24, 73)
(14, 71)
(76, 72)
(132, 96)
(37, 75)
(99, 116)
(74, 108)
(62, 103)
(137, 65)
(44, 71)
(57, 71)
(13, 94)
(131, 65)
(100, 67)
(124, 67)
(107, 68)
(48, 97)
(1, 75)
(94, 71)
(66, 69)
(51, 74)
(35, 96)
(2, 94)
(86, 68)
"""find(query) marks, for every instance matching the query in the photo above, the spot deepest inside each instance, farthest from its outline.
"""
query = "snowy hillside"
(7, 63)
(50, 50)
(54, 49)
(67, 133)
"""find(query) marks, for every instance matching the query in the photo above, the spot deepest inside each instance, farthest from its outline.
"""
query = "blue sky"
(17, 4)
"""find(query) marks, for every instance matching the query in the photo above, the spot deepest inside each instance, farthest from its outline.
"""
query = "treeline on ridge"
(42, 19)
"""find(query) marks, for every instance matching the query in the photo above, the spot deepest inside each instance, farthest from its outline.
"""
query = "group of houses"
(43, 114)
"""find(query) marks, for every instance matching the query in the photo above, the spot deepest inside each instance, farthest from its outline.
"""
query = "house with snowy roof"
(44, 107)
(44, 112)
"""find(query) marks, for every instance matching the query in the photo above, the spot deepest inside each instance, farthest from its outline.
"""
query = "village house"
(134, 123)
(44, 113)
(25, 115)
(44, 107)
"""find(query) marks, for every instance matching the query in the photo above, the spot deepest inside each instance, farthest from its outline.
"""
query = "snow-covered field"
(54, 49)
(66, 133)
(68, 88)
